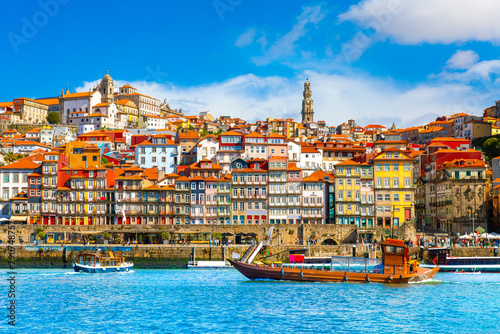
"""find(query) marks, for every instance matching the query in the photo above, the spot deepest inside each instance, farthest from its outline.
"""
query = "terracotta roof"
(275, 135)
(48, 102)
(78, 95)
(134, 168)
(348, 162)
(254, 134)
(437, 139)
(464, 163)
(317, 176)
(308, 149)
(21, 164)
(231, 133)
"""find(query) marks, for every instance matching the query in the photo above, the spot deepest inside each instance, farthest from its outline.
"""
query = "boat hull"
(102, 270)
(252, 271)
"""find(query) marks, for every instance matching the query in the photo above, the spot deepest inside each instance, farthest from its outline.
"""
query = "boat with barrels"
(394, 267)
(98, 263)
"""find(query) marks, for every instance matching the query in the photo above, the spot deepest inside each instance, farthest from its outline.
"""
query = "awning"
(18, 218)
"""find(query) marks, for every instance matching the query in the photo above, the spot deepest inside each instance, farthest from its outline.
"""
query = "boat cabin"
(395, 257)
(439, 255)
(100, 260)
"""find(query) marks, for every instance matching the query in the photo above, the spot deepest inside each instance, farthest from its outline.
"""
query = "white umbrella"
(465, 237)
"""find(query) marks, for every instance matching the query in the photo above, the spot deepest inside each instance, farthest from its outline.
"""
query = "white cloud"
(246, 38)
(427, 21)
(462, 60)
(337, 97)
(463, 66)
(286, 44)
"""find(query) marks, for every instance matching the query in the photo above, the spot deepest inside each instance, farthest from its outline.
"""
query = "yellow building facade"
(394, 191)
(348, 192)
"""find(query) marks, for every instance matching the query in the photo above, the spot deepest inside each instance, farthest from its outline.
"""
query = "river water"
(224, 301)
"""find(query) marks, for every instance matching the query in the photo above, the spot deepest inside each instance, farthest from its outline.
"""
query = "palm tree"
(9, 157)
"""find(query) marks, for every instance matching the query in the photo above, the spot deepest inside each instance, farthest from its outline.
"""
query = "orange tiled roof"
(21, 164)
(348, 162)
(48, 102)
(317, 176)
(77, 95)
(464, 163)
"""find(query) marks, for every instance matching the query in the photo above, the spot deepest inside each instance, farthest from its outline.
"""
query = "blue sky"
(377, 61)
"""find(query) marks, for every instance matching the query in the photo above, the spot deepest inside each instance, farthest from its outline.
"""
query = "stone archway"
(329, 242)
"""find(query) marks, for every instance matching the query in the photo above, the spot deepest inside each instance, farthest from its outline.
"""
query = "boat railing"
(344, 264)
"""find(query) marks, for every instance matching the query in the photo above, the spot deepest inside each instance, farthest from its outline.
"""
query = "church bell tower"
(307, 104)
(106, 88)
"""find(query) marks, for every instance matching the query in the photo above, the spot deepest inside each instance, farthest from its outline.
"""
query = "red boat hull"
(253, 271)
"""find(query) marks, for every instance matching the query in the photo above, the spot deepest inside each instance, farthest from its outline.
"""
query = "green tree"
(491, 148)
(41, 234)
(53, 117)
(165, 235)
(9, 157)
(106, 235)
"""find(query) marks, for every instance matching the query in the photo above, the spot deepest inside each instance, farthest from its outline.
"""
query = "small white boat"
(208, 265)
(467, 272)
(97, 263)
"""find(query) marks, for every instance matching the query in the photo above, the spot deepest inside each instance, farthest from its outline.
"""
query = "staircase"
(254, 252)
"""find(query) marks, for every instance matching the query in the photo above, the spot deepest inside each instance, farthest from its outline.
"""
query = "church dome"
(107, 77)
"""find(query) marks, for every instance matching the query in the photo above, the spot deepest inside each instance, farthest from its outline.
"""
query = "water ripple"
(180, 301)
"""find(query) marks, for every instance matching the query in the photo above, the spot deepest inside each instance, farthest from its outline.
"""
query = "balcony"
(312, 215)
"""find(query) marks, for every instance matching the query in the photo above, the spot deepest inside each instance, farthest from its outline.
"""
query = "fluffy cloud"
(462, 60)
(336, 98)
(465, 67)
(427, 21)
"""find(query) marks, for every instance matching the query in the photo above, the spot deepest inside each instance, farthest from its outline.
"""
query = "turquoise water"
(223, 301)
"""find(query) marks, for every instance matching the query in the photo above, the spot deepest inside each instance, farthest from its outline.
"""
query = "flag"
(236, 255)
(435, 260)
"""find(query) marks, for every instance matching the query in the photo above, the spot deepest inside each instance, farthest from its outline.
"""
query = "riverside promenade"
(176, 256)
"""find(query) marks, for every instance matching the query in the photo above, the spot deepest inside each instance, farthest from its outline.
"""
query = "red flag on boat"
(435, 260)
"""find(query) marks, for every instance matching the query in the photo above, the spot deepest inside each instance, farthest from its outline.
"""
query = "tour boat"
(395, 267)
(97, 263)
(442, 259)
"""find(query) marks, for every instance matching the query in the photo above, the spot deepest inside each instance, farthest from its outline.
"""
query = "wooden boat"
(98, 263)
(395, 267)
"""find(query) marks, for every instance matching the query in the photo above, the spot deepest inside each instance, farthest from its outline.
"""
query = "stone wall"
(282, 234)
